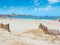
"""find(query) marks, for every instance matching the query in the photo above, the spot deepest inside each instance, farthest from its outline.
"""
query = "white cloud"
(40, 9)
(4, 6)
(36, 2)
(46, 8)
(53, 1)
(12, 7)
(35, 9)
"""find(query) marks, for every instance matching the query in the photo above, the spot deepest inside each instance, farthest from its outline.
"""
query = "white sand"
(21, 25)
(7, 38)
(18, 26)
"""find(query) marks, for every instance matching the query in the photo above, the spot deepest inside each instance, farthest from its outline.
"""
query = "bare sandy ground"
(32, 35)
(7, 38)
(21, 25)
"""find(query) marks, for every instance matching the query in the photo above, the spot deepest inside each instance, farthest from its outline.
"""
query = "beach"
(27, 32)
(20, 25)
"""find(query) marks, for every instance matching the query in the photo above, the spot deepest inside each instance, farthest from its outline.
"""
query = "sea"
(36, 17)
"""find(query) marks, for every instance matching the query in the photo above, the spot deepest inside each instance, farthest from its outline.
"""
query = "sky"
(31, 7)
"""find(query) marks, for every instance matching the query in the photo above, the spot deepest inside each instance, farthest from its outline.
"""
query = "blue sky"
(31, 7)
